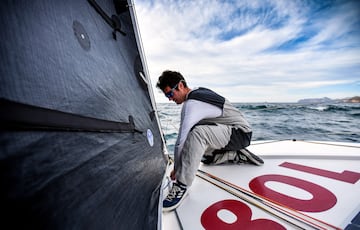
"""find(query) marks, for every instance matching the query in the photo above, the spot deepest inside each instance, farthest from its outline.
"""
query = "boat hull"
(309, 185)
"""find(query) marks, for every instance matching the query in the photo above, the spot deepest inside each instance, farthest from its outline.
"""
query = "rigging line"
(277, 205)
(178, 219)
(332, 144)
(268, 201)
(311, 142)
(264, 208)
(167, 178)
(167, 184)
(272, 141)
(169, 122)
(251, 202)
(269, 211)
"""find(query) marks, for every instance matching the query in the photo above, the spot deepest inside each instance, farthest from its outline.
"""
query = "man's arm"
(192, 112)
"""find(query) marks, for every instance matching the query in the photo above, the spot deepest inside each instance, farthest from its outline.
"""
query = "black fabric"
(113, 21)
(238, 140)
(121, 6)
(203, 123)
(208, 96)
(355, 223)
(53, 179)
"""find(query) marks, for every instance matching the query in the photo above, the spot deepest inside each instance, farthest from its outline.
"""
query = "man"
(211, 131)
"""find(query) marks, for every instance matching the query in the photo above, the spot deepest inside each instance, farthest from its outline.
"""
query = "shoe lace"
(173, 193)
(241, 157)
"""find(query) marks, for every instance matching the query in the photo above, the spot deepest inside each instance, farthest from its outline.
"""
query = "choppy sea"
(283, 121)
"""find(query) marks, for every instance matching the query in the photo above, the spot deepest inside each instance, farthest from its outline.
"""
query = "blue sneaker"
(175, 197)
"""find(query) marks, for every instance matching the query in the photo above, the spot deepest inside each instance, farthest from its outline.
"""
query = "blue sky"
(255, 50)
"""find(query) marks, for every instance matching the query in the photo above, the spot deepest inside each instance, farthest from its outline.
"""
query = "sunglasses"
(171, 92)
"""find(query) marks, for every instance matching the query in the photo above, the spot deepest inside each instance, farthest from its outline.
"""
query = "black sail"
(80, 141)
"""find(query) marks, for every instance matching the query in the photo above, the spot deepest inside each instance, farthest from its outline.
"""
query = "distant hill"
(315, 100)
(355, 99)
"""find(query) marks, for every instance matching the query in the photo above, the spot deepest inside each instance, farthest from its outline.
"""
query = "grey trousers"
(202, 140)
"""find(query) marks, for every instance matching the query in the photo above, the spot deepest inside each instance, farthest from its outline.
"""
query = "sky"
(255, 50)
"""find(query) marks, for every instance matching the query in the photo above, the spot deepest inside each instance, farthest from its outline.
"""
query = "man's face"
(176, 94)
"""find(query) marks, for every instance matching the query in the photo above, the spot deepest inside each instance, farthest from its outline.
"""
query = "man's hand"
(172, 175)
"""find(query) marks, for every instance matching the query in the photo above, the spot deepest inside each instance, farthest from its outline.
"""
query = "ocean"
(282, 121)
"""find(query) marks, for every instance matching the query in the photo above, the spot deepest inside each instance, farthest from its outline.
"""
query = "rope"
(310, 142)
(275, 206)
(332, 144)
(247, 200)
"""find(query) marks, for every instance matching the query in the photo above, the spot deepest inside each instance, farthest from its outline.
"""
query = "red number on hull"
(345, 176)
(322, 199)
(211, 221)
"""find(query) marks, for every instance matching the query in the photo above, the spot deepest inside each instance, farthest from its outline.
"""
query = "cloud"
(257, 47)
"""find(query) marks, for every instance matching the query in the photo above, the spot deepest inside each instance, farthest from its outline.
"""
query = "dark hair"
(170, 78)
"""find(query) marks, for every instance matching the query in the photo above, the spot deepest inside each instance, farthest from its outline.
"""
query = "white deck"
(320, 180)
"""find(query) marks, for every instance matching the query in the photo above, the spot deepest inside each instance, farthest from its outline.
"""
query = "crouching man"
(211, 131)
